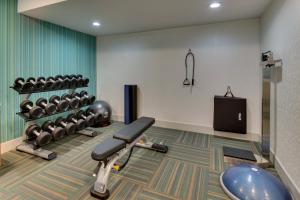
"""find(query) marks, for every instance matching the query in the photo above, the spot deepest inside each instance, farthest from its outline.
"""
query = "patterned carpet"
(189, 171)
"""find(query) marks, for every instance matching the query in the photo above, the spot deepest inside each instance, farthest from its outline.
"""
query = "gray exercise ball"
(104, 108)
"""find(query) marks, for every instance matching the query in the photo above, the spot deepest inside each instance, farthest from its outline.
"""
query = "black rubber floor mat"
(239, 153)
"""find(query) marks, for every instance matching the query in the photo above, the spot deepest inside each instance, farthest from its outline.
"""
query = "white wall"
(226, 54)
(281, 34)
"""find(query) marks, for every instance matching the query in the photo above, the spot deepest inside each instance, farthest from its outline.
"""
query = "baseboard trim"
(199, 129)
(10, 145)
(286, 177)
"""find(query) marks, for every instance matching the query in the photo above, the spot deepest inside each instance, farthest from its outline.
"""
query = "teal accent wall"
(30, 47)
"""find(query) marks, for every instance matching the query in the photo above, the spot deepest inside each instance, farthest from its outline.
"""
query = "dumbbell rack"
(28, 146)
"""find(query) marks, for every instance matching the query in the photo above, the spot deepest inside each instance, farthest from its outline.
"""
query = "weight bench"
(112, 149)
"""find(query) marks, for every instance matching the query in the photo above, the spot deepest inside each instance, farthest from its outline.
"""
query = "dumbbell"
(73, 102)
(80, 123)
(97, 116)
(34, 111)
(36, 84)
(50, 108)
(69, 127)
(56, 84)
(85, 82)
(57, 132)
(90, 120)
(47, 84)
(41, 137)
(72, 81)
(82, 100)
(66, 82)
(61, 105)
(22, 85)
(78, 78)
(91, 98)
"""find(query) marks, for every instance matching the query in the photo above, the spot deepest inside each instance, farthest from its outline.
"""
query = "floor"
(190, 170)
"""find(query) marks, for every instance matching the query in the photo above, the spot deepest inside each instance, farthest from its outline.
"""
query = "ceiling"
(126, 16)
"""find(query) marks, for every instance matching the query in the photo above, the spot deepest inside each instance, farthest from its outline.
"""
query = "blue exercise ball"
(104, 108)
(249, 182)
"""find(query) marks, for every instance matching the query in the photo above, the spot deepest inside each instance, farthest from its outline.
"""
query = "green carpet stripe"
(61, 183)
(174, 186)
(126, 190)
(150, 195)
(29, 193)
(196, 156)
(46, 189)
(180, 180)
(194, 140)
(216, 159)
(23, 170)
(214, 188)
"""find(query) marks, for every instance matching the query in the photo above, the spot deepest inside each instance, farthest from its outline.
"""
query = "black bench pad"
(107, 148)
(132, 131)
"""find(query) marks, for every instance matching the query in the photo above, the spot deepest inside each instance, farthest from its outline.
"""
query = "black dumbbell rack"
(29, 146)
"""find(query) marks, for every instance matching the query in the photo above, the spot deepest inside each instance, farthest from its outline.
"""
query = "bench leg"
(99, 189)
(99, 195)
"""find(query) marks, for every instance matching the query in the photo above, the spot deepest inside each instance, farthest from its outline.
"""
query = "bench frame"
(100, 189)
(100, 186)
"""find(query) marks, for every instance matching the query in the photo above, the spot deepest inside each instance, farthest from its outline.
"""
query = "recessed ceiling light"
(96, 24)
(215, 5)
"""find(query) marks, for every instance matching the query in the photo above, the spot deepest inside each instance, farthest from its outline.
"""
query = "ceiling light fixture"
(96, 24)
(215, 5)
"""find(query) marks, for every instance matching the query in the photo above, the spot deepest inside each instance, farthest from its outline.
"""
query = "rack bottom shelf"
(28, 146)
(43, 153)
(88, 132)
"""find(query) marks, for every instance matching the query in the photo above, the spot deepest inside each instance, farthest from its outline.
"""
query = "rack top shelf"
(40, 91)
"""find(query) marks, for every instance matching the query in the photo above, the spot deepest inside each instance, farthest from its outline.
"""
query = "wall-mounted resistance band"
(186, 81)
